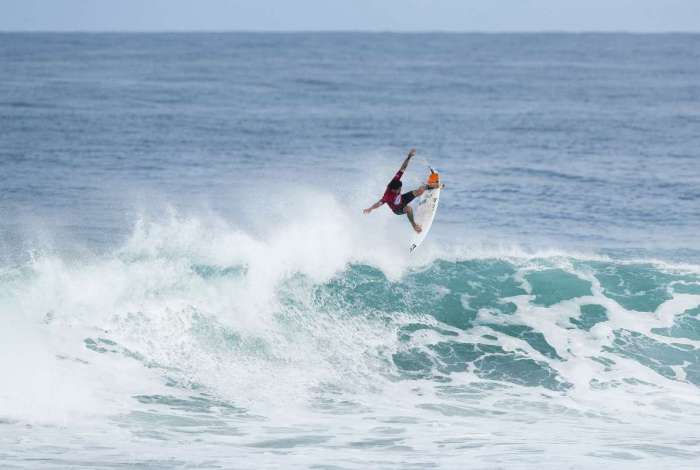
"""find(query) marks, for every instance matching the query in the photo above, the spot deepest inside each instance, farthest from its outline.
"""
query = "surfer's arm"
(408, 159)
(373, 206)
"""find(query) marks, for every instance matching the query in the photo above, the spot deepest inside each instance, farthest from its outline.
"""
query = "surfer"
(398, 202)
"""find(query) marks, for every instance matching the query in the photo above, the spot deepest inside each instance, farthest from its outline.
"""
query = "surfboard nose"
(433, 179)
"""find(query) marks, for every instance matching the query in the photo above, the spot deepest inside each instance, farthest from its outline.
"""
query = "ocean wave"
(209, 308)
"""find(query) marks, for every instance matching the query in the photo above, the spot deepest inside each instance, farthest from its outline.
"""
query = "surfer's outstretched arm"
(373, 206)
(408, 159)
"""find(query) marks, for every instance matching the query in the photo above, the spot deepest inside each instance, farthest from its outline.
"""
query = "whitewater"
(197, 343)
(187, 279)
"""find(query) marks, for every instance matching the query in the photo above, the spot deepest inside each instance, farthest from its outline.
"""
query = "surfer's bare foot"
(418, 228)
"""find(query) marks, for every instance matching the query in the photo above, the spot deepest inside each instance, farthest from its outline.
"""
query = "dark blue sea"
(187, 279)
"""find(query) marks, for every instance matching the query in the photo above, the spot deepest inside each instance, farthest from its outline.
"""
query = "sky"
(369, 15)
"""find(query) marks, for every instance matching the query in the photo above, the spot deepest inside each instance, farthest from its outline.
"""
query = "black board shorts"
(406, 198)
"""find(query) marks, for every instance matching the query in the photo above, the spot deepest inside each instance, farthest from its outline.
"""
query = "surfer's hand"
(418, 228)
(411, 153)
(367, 211)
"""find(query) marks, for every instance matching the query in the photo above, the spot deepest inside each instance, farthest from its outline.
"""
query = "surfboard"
(424, 211)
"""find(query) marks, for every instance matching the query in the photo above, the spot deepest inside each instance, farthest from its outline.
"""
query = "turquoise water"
(187, 280)
(194, 345)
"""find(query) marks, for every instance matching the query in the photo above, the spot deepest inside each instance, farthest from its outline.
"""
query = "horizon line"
(337, 31)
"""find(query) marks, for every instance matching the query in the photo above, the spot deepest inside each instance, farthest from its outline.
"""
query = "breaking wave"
(191, 316)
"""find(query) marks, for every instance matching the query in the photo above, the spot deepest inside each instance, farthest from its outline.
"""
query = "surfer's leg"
(409, 213)
(406, 198)
(419, 191)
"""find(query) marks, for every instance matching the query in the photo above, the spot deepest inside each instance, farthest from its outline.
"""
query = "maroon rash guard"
(397, 202)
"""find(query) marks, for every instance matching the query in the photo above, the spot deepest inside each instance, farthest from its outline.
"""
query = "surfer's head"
(395, 185)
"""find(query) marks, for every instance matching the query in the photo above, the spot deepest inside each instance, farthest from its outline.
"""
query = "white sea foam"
(199, 305)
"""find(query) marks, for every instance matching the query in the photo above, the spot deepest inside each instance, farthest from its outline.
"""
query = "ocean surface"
(187, 279)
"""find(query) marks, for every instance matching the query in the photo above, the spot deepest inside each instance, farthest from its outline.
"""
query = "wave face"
(192, 331)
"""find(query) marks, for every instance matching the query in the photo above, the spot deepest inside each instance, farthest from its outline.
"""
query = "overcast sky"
(383, 15)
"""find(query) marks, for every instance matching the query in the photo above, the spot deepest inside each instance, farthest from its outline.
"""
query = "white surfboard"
(424, 213)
